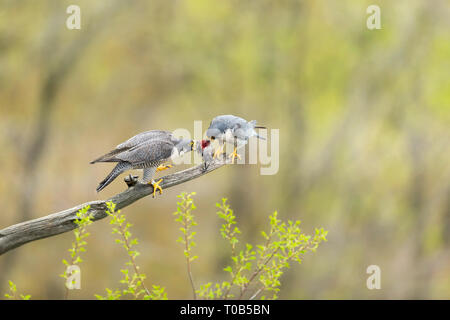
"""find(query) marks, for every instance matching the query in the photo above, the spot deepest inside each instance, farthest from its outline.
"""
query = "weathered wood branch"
(63, 221)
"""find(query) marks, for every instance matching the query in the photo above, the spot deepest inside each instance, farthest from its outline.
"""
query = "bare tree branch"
(63, 221)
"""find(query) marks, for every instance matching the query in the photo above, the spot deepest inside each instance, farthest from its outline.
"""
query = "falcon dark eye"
(212, 138)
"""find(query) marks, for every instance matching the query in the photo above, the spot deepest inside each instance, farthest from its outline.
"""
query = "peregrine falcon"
(150, 151)
(232, 129)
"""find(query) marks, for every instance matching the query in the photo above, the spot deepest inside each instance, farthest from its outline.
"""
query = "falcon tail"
(109, 157)
(253, 123)
(118, 169)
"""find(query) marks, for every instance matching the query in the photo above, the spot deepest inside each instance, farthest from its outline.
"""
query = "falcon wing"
(217, 127)
(145, 136)
(149, 153)
(133, 142)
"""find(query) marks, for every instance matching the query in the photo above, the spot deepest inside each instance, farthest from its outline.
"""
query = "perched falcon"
(232, 129)
(150, 151)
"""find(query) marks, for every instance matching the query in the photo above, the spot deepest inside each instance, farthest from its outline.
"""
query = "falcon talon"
(234, 155)
(156, 186)
(218, 152)
(164, 167)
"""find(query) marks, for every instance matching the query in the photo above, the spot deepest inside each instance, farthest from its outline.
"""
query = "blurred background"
(364, 120)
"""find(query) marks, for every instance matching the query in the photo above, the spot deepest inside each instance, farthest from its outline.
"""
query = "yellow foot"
(234, 155)
(164, 167)
(156, 186)
(218, 152)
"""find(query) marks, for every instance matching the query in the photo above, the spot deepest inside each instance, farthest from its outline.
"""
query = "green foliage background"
(364, 120)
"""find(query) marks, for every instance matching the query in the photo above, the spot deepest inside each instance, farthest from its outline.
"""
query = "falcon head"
(184, 146)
